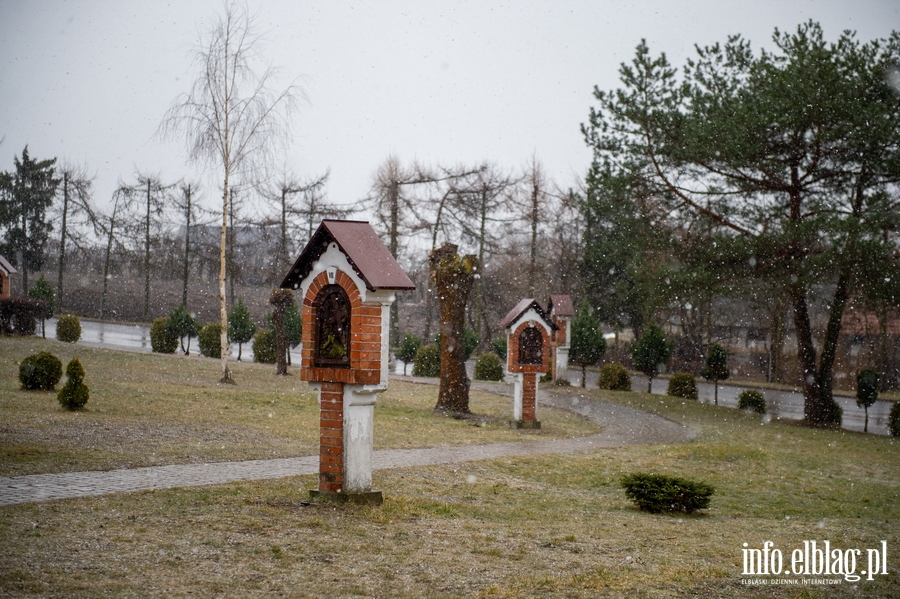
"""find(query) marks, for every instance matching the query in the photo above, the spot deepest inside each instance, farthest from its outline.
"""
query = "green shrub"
(752, 400)
(427, 361)
(406, 353)
(488, 367)
(499, 347)
(656, 493)
(682, 384)
(74, 393)
(163, 339)
(18, 315)
(547, 377)
(894, 419)
(40, 372)
(68, 328)
(264, 350)
(210, 340)
(614, 377)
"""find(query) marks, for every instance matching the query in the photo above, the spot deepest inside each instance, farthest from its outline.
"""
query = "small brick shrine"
(529, 331)
(561, 311)
(347, 280)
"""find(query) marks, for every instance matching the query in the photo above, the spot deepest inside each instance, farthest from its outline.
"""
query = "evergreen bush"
(241, 328)
(40, 372)
(210, 340)
(499, 347)
(74, 393)
(752, 400)
(162, 339)
(264, 350)
(427, 361)
(488, 367)
(682, 384)
(406, 353)
(894, 419)
(183, 326)
(656, 493)
(614, 377)
(68, 328)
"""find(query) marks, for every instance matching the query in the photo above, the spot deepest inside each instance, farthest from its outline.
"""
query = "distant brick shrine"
(347, 280)
(529, 332)
(6, 271)
(561, 310)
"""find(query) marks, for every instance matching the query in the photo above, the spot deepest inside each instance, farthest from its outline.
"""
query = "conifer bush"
(682, 384)
(264, 350)
(488, 367)
(894, 419)
(752, 400)
(614, 377)
(68, 328)
(427, 361)
(40, 372)
(656, 493)
(74, 393)
(210, 340)
(163, 339)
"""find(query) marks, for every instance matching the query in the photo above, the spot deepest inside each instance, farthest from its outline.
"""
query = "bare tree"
(231, 118)
(75, 191)
(108, 225)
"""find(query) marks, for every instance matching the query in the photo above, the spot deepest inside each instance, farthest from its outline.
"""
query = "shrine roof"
(561, 305)
(6, 266)
(365, 251)
(522, 307)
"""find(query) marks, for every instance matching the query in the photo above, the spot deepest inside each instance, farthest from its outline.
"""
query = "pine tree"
(240, 327)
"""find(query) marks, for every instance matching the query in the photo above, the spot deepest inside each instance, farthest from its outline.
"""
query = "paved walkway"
(621, 426)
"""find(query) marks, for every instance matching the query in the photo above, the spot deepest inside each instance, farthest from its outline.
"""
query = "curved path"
(621, 425)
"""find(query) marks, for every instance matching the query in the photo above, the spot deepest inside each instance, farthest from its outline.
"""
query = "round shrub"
(68, 328)
(752, 400)
(656, 493)
(682, 384)
(163, 339)
(210, 340)
(264, 350)
(427, 361)
(40, 372)
(74, 393)
(488, 367)
(614, 377)
(894, 419)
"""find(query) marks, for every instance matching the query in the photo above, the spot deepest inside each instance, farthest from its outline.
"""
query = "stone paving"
(621, 426)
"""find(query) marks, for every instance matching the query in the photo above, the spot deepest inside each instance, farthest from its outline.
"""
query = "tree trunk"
(453, 280)
(187, 246)
(223, 311)
(583, 376)
(281, 299)
(147, 257)
(62, 239)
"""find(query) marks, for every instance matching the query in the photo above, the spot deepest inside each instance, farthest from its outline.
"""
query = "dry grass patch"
(151, 409)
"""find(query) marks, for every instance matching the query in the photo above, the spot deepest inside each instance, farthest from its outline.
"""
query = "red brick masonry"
(331, 438)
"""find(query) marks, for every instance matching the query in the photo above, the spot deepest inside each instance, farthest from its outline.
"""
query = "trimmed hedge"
(18, 315)
(40, 372)
(614, 377)
(894, 419)
(210, 340)
(68, 328)
(264, 350)
(163, 339)
(74, 393)
(427, 361)
(488, 367)
(752, 400)
(656, 493)
(682, 384)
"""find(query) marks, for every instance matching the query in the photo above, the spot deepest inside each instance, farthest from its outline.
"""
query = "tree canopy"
(783, 165)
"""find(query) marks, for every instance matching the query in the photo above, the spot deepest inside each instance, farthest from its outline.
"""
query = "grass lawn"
(541, 526)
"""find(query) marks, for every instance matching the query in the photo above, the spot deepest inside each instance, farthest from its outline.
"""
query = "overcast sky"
(442, 83)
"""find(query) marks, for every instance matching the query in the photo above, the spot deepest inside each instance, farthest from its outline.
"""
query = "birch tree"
(232, 119)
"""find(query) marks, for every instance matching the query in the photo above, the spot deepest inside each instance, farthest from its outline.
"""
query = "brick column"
(529, 397)
(331, 437)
